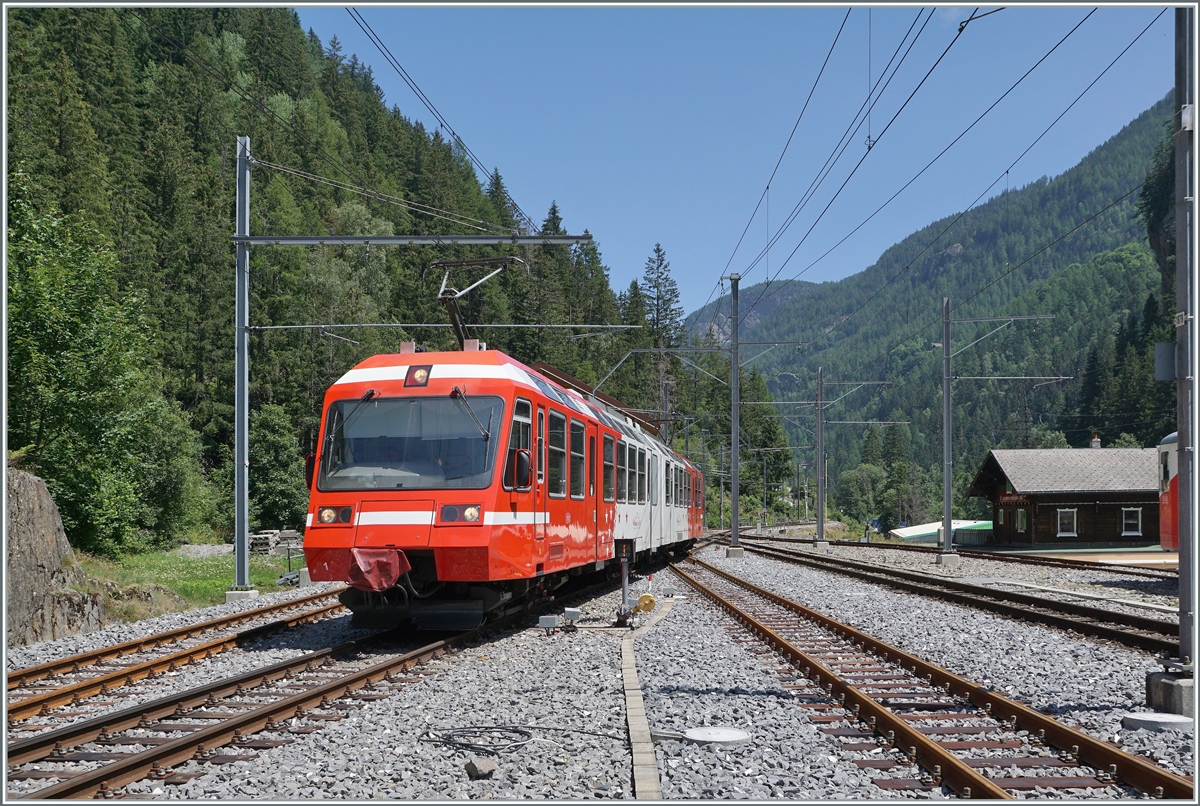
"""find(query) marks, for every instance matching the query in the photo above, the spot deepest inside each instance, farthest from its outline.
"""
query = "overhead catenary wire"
(843, 142)
(387, 54)
(940, 154)
(858, 165)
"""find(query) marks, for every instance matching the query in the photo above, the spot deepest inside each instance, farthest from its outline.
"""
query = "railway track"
(99, 679)
(1020, 559)
(18, 678)
(937, 728)
(1152, 635)
(226, 720)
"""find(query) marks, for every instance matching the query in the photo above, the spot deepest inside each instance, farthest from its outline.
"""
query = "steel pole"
(241, 381)
(1184, 322)
(820, 455)
(947, 459)
(735, 405)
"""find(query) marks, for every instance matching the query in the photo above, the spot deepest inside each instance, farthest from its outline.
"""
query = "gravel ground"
(694, 675)
(23, 656)
(1111, 585)
(1084, 682)
(565, 689)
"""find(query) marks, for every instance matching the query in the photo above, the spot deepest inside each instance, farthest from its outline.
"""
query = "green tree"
(663, 312)
(85, 409)
(872, 447)
(278, 495)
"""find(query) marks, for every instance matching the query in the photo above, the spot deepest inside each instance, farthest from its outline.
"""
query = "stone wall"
(42, 569)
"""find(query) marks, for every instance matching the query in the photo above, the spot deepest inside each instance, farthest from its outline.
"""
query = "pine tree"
(664, 315)
(872, 447)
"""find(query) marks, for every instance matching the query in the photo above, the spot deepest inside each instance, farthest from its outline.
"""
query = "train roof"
(493, 364)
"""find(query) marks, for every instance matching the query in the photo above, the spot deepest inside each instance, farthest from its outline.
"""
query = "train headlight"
(328, 515)
(417, 376)
(459, 513)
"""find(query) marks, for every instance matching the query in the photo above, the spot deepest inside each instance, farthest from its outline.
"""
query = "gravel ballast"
(1088, 683)
(565, 689)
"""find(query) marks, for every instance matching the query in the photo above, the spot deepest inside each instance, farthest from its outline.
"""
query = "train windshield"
(412, 443)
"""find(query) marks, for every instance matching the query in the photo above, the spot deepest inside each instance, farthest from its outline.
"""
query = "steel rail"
(140, 765)
(1020, 559)
(43, 745)
(1133, 770)
(1007, 603)
(29, 674)
(42, 702)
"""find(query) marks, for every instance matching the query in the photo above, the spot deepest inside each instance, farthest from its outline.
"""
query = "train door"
(521, 499)
(580, 510)
(539, 486)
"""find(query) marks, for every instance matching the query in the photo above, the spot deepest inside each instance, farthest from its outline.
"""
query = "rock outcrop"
(42, 569)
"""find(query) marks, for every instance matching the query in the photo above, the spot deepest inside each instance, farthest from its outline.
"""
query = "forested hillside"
(122, 127)
(1098, 278)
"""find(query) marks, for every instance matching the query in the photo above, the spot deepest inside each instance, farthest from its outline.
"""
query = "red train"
(1168, 492)
(451, 485)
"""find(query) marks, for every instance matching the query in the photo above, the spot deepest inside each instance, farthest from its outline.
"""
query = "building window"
(1066, 523)
(1131, 522)
(1000, 517)
(1022, 522)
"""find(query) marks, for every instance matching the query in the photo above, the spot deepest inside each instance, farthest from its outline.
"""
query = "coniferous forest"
(122, 125)
(1092, 247)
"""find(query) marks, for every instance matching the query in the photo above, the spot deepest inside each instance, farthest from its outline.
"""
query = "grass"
(167, 582)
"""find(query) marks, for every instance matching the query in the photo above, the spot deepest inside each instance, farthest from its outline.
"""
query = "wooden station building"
(1071, 496)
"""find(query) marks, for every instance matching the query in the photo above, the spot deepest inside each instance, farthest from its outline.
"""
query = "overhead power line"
(861, 160)
(969, 207)
(834, 156)
(424, 99)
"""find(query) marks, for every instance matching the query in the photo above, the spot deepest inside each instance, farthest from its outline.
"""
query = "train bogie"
(447, 485)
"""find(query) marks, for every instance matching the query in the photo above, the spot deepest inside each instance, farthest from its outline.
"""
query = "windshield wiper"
(367, 395)
(458, 395)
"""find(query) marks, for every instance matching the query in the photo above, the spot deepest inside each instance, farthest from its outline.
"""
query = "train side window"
(667, 483)
(609, 470)
(557, 464)
(578, 458)
(687, 487)
(621, 485)
(641, 476)
(678, 486)
(591, 467)
(653, 480)
(541, 451)
(1164, 481)
(519, 437)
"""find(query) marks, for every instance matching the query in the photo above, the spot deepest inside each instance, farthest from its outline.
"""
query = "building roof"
(1062, 470)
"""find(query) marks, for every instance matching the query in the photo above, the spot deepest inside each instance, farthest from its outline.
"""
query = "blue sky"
(662, 125)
